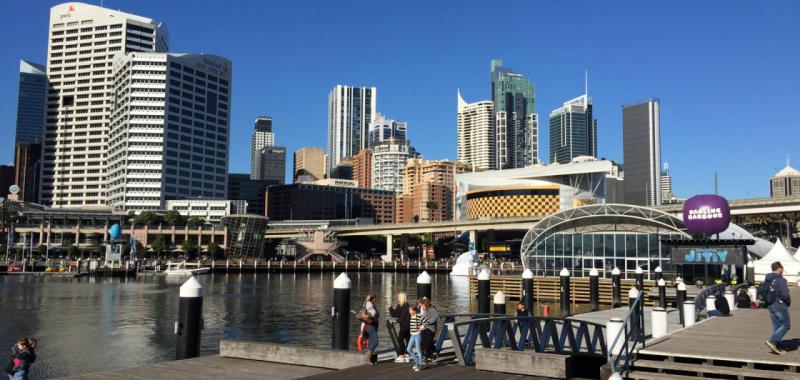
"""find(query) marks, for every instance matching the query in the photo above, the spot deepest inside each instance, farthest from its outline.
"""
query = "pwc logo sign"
(706, 214)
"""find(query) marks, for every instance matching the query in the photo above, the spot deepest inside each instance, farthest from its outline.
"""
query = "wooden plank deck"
(739, 338)
(402, 371)
(211, 367)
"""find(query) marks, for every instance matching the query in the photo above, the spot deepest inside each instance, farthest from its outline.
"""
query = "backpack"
(363, 316)
(766, 293)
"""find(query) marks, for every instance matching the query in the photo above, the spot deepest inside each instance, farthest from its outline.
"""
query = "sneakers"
(775, 350)
(415, 368)
(401, 359)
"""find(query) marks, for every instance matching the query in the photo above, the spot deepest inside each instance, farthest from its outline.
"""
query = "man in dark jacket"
(779, 309)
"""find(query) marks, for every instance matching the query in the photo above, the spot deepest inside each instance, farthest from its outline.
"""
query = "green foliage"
(215, 251)
(194, 221)
(432, 205)
(146, 218)
(41, 250)
(173, 217)
(159, 245)
(73, 251)
(189, 246)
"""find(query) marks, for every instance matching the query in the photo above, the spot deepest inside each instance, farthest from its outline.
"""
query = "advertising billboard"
(706, 214)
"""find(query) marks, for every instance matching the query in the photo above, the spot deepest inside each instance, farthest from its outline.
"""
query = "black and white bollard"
(594, 290)
(484, 278)
(565, 293)
(750, 273)
(616, 290)
(527, 290)
(658, 319)
(659, 273)
(340, 312)
(635, 319)
(639, 276)
(662, 293)
(689, 313)
(424, 285)
(190, 319)
(613, 327)
(500, 303)
(680, 298)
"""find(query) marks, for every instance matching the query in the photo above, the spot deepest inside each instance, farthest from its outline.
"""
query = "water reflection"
(88, 325)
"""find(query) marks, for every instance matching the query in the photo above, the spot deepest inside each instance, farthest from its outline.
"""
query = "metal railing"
(631, 333)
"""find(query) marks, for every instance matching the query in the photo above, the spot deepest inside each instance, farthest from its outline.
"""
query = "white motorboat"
(185, 269)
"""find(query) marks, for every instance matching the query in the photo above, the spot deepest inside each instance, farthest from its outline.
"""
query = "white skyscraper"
(83, 41)
(476, 134)
(262, 137)
(384, 129)
(389, 158)
(350, 111)
(641, 149)
(169, 130)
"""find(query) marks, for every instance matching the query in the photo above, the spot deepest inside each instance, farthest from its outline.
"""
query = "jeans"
(21, 375)
(372, 335)
(716, 313)
(416, 353)
(780, 322)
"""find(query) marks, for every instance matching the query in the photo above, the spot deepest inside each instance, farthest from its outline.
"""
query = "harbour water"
(88, 325)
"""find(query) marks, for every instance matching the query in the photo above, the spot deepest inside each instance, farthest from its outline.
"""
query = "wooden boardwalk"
(207, 367)
(739, 338)
(402, 371)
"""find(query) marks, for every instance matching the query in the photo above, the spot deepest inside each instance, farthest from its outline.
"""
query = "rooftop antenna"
(586, 83)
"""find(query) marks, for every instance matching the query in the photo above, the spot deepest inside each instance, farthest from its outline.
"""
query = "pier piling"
(689, 313)
(527, 290)
(424, 285)
(190, 319)
(565, 293)
(662, 293)
(500, 303)
(484, 277)
(340, 313)
(594, 289)
(616, 296)
(680, 296)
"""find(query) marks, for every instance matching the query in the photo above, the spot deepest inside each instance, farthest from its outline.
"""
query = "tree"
(172, 217)
(145, 218)
(189, 248)
(42, 250)
(159, 245)
(215, 251)
(194, 221)
(73, 251)
(432, 205)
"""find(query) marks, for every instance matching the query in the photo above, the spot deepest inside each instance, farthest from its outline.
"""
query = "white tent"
(791, 266)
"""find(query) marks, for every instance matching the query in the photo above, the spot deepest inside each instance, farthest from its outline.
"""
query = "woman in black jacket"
(400, 312)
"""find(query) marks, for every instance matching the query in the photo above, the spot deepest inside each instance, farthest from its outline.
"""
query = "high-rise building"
(516, 122)
(30, 102)
(785, 183)
(83, 41)
(262, 137)
(389, 158)
(362, 168)
(27, 166)
(384, 129)
(309, 164)
(241, 187)
(6, 179)
(641, 146)
(169, 130)
(666, 184)
(344, 170)
(476, 134)
(350, 111)
(428, 190)
(271, 164)
(573, 131)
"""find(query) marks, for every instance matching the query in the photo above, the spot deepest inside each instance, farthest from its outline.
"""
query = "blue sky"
(726, 71)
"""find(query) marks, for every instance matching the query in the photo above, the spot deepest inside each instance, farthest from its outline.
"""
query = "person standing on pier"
(778, 302)
(370, 327)
(400, 312)
(414, 347)
(430, 317)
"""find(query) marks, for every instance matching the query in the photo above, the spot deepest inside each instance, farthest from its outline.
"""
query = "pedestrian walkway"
(603, 316)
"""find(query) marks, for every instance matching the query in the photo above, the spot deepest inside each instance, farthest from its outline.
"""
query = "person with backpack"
(22, 356)
(369, 325)
(775, 291)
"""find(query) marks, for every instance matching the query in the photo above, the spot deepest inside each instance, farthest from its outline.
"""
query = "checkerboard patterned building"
(513, 202)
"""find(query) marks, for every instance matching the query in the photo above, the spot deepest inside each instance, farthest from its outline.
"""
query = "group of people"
(23, 354)
(417, 324)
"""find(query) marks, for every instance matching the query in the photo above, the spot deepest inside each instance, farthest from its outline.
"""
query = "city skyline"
(696, 142)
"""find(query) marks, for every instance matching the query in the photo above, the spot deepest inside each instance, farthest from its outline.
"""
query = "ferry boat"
(185, 269)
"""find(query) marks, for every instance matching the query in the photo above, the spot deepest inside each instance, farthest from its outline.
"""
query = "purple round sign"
(706, 214)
